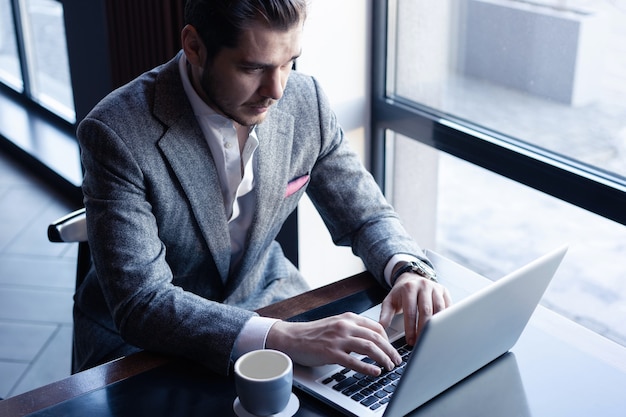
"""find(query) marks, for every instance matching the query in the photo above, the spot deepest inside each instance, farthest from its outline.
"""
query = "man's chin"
(251, 120)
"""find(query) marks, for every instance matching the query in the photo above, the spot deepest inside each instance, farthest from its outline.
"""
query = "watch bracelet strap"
(406, 268)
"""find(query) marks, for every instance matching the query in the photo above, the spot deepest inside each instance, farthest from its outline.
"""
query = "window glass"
(524, 224)
(494, 225)
(551, 73)
(47, 60)
(10, 72)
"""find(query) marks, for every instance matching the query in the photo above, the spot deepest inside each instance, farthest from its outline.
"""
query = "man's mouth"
(262, 104)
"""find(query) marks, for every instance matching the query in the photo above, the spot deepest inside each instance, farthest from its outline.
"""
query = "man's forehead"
(261, 43)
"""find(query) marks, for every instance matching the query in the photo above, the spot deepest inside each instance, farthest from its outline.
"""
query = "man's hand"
(418, 298)
(331, 340)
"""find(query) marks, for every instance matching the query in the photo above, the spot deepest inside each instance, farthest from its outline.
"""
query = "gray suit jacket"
(158, 231)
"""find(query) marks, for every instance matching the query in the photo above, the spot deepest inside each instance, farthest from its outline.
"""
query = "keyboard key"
(363, 383)
(351, 390)
(394, 376)
(399, 343)
(375, 386)
(390, 389)
(345, 384)
(358, 397)
(339, 377)
(381, 394)
(369, 401)
(375, 406)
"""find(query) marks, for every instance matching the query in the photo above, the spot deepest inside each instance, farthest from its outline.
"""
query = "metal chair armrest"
(69, 228)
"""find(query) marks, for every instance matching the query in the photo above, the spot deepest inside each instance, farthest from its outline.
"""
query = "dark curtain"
(142, 34)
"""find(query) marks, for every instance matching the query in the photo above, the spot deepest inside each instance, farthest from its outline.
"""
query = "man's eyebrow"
(253, 64)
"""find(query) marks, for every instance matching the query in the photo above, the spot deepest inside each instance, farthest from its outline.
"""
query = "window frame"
(585, 186)
(26, 96)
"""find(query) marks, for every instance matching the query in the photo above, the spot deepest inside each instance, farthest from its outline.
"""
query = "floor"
(36, 283)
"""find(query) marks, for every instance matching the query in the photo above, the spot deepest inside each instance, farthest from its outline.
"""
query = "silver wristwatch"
(418, 267)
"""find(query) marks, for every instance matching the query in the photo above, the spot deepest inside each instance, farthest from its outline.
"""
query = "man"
(190, 172)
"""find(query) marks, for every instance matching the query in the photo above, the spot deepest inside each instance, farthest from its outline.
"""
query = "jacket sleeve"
(351, 203)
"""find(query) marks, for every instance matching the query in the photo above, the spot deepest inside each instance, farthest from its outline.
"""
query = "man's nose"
(273, 84)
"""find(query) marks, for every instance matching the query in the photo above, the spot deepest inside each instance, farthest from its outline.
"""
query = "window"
(547, 73)
(533, 91)
(33, 54)
(10, 72)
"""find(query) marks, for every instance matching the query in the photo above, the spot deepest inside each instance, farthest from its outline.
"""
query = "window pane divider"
(583, 186)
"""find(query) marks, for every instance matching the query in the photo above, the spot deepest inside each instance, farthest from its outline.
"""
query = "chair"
(69, 228)
(72, 228)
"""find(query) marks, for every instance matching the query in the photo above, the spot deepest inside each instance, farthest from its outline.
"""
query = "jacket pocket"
(294, 185)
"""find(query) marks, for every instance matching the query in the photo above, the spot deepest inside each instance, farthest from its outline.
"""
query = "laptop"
(454, 343)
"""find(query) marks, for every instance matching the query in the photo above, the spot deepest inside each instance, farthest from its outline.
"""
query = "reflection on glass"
(10, 73)
(495, 225)
(548, 72)
(46, 48)
(495, 390)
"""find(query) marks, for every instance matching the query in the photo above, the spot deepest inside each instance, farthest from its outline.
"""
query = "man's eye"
(253, 69)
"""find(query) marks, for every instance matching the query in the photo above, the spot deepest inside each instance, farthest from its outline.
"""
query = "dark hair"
(221, 22)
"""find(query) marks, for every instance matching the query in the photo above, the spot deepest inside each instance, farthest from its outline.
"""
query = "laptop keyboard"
(372, 392)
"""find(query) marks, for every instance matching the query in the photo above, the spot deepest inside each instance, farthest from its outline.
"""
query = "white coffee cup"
(263, 379)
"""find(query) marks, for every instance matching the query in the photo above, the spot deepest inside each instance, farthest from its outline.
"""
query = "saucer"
(289, 411)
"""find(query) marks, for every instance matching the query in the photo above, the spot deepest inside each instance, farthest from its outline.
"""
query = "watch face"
(418, 267)
(425, 270)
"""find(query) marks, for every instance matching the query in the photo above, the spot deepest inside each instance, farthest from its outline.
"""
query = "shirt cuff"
(401, 257)
(252, 335)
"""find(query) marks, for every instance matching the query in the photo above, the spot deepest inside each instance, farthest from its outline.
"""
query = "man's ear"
(193, 46)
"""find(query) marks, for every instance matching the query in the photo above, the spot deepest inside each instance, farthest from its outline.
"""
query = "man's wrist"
(253, 335)
(417, 267)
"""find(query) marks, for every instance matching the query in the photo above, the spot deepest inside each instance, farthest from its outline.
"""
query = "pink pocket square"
(296, 184)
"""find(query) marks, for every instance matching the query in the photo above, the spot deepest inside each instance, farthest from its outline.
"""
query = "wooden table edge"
(100, 376)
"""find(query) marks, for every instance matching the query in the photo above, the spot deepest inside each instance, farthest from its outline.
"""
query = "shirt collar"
(200, 108)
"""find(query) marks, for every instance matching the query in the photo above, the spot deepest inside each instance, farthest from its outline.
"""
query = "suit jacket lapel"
(187, 152)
